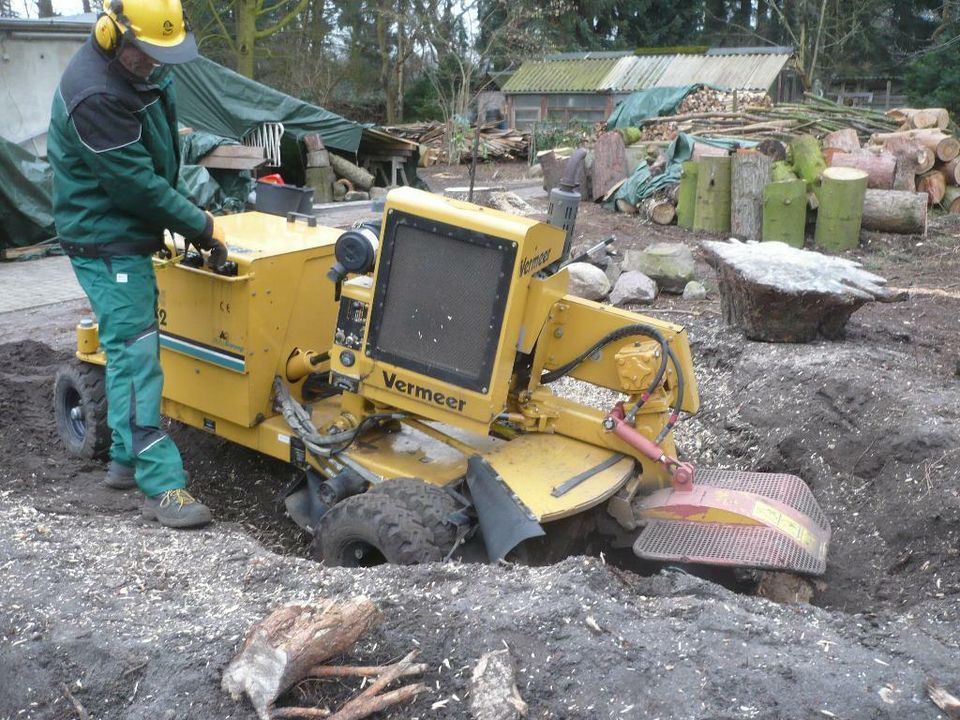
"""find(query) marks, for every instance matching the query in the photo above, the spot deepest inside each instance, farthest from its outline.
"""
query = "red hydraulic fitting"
(681, 472)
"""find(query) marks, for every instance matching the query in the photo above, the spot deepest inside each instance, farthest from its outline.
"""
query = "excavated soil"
(139, 621)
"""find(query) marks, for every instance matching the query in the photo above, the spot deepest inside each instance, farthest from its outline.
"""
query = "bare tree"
(252, 20)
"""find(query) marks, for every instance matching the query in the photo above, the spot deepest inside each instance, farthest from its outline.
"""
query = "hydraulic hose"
(300, 422)
(666, 354)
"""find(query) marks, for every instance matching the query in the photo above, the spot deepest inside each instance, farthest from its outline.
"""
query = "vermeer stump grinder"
(404, 368)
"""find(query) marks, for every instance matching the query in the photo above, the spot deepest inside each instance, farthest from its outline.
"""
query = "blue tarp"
(643, 183)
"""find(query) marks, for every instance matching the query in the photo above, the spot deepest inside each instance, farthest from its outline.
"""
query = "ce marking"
(224, 306)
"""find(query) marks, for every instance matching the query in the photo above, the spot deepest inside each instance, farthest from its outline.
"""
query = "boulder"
(694, 291)
(635, 288)
(778, 293)
(669, 264)
(587, 281)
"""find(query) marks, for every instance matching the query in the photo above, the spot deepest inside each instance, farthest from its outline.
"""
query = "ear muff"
(107, 33)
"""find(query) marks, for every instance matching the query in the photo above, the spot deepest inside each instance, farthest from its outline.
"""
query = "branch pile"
(495, 143)
(816, 116)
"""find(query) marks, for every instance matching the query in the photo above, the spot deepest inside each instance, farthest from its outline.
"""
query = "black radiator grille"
(440, 298)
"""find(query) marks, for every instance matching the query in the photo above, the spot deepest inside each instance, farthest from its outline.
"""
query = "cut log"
(360, 178)
(841, 208)
(951, 171)
(661, 212)
(845, 140)
(493, 689)
(921, 118)
(782, 171)
(777, 293)
(609, 163)
(945, 147)
(279, 651)
(687, 194)
(713, 195)
(702, 150)
(808, 161)
(895, 211)
(749, 174)
(934, 185)
(785, 212)
(912, 156)
(881, 169)
(773, 149)
(951, 200)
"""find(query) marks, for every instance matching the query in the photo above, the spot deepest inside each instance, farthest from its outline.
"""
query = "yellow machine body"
(454, 329)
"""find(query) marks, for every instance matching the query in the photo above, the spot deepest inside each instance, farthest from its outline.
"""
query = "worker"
(113, 146)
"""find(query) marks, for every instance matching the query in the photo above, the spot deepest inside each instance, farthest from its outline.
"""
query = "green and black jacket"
(115, 153)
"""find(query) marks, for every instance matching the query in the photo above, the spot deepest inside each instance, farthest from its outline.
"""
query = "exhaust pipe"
(564, 201)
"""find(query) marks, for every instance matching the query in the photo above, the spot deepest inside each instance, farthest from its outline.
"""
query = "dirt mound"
(139, 622)
(874, 432)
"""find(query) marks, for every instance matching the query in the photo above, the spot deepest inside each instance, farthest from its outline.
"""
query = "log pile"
(495, 143)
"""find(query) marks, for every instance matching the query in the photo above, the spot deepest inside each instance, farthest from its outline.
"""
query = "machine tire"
(430, 503)
(371, 529)
(80, 408)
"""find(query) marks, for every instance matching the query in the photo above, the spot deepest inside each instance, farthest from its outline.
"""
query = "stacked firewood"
(710, 100)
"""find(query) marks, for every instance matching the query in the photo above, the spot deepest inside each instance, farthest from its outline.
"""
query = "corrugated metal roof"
(620, 73)
(740, 72)
(561, 76)
(763, 50)
(636, 73)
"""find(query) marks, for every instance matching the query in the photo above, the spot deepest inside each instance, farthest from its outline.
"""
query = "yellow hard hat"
(157, 27)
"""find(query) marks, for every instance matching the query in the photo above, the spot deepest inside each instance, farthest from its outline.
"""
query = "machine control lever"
(681, 472)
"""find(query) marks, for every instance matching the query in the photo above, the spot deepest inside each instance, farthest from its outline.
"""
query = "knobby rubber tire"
(82, 385)
(374, 519)
(430, 503)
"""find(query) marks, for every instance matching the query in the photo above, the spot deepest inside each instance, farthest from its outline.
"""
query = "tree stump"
(687, 194)
(713, 195)
(777, 293)
(841, 208)
(658, 211)
(895, 211)
(280, 650)
(785, 212)
(609, 163)
(749, 174)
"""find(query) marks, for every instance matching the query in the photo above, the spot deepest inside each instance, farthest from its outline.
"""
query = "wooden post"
(713, 195)
(687, 194)
(841, 208)
(785, 212)
(749, 174)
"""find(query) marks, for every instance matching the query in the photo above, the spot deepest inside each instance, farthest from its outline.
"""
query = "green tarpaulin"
(26, 197)
(212, 98)
(643, 183)
(645, 104)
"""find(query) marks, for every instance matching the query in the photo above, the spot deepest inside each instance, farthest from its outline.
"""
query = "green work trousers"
(123, 294)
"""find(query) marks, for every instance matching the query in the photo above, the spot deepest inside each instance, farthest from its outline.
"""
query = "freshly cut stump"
(749, 174)
(777, 293)
(785, 212)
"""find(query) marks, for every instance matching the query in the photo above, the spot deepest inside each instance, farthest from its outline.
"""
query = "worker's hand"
(213, 239)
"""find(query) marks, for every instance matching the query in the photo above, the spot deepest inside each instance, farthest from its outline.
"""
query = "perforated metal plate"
(788, 489)
(730, 545)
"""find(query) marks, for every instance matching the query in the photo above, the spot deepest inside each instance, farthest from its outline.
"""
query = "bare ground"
(144, 619)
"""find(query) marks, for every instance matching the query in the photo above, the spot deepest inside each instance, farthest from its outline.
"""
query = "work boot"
(119, 476)
(176, 509)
